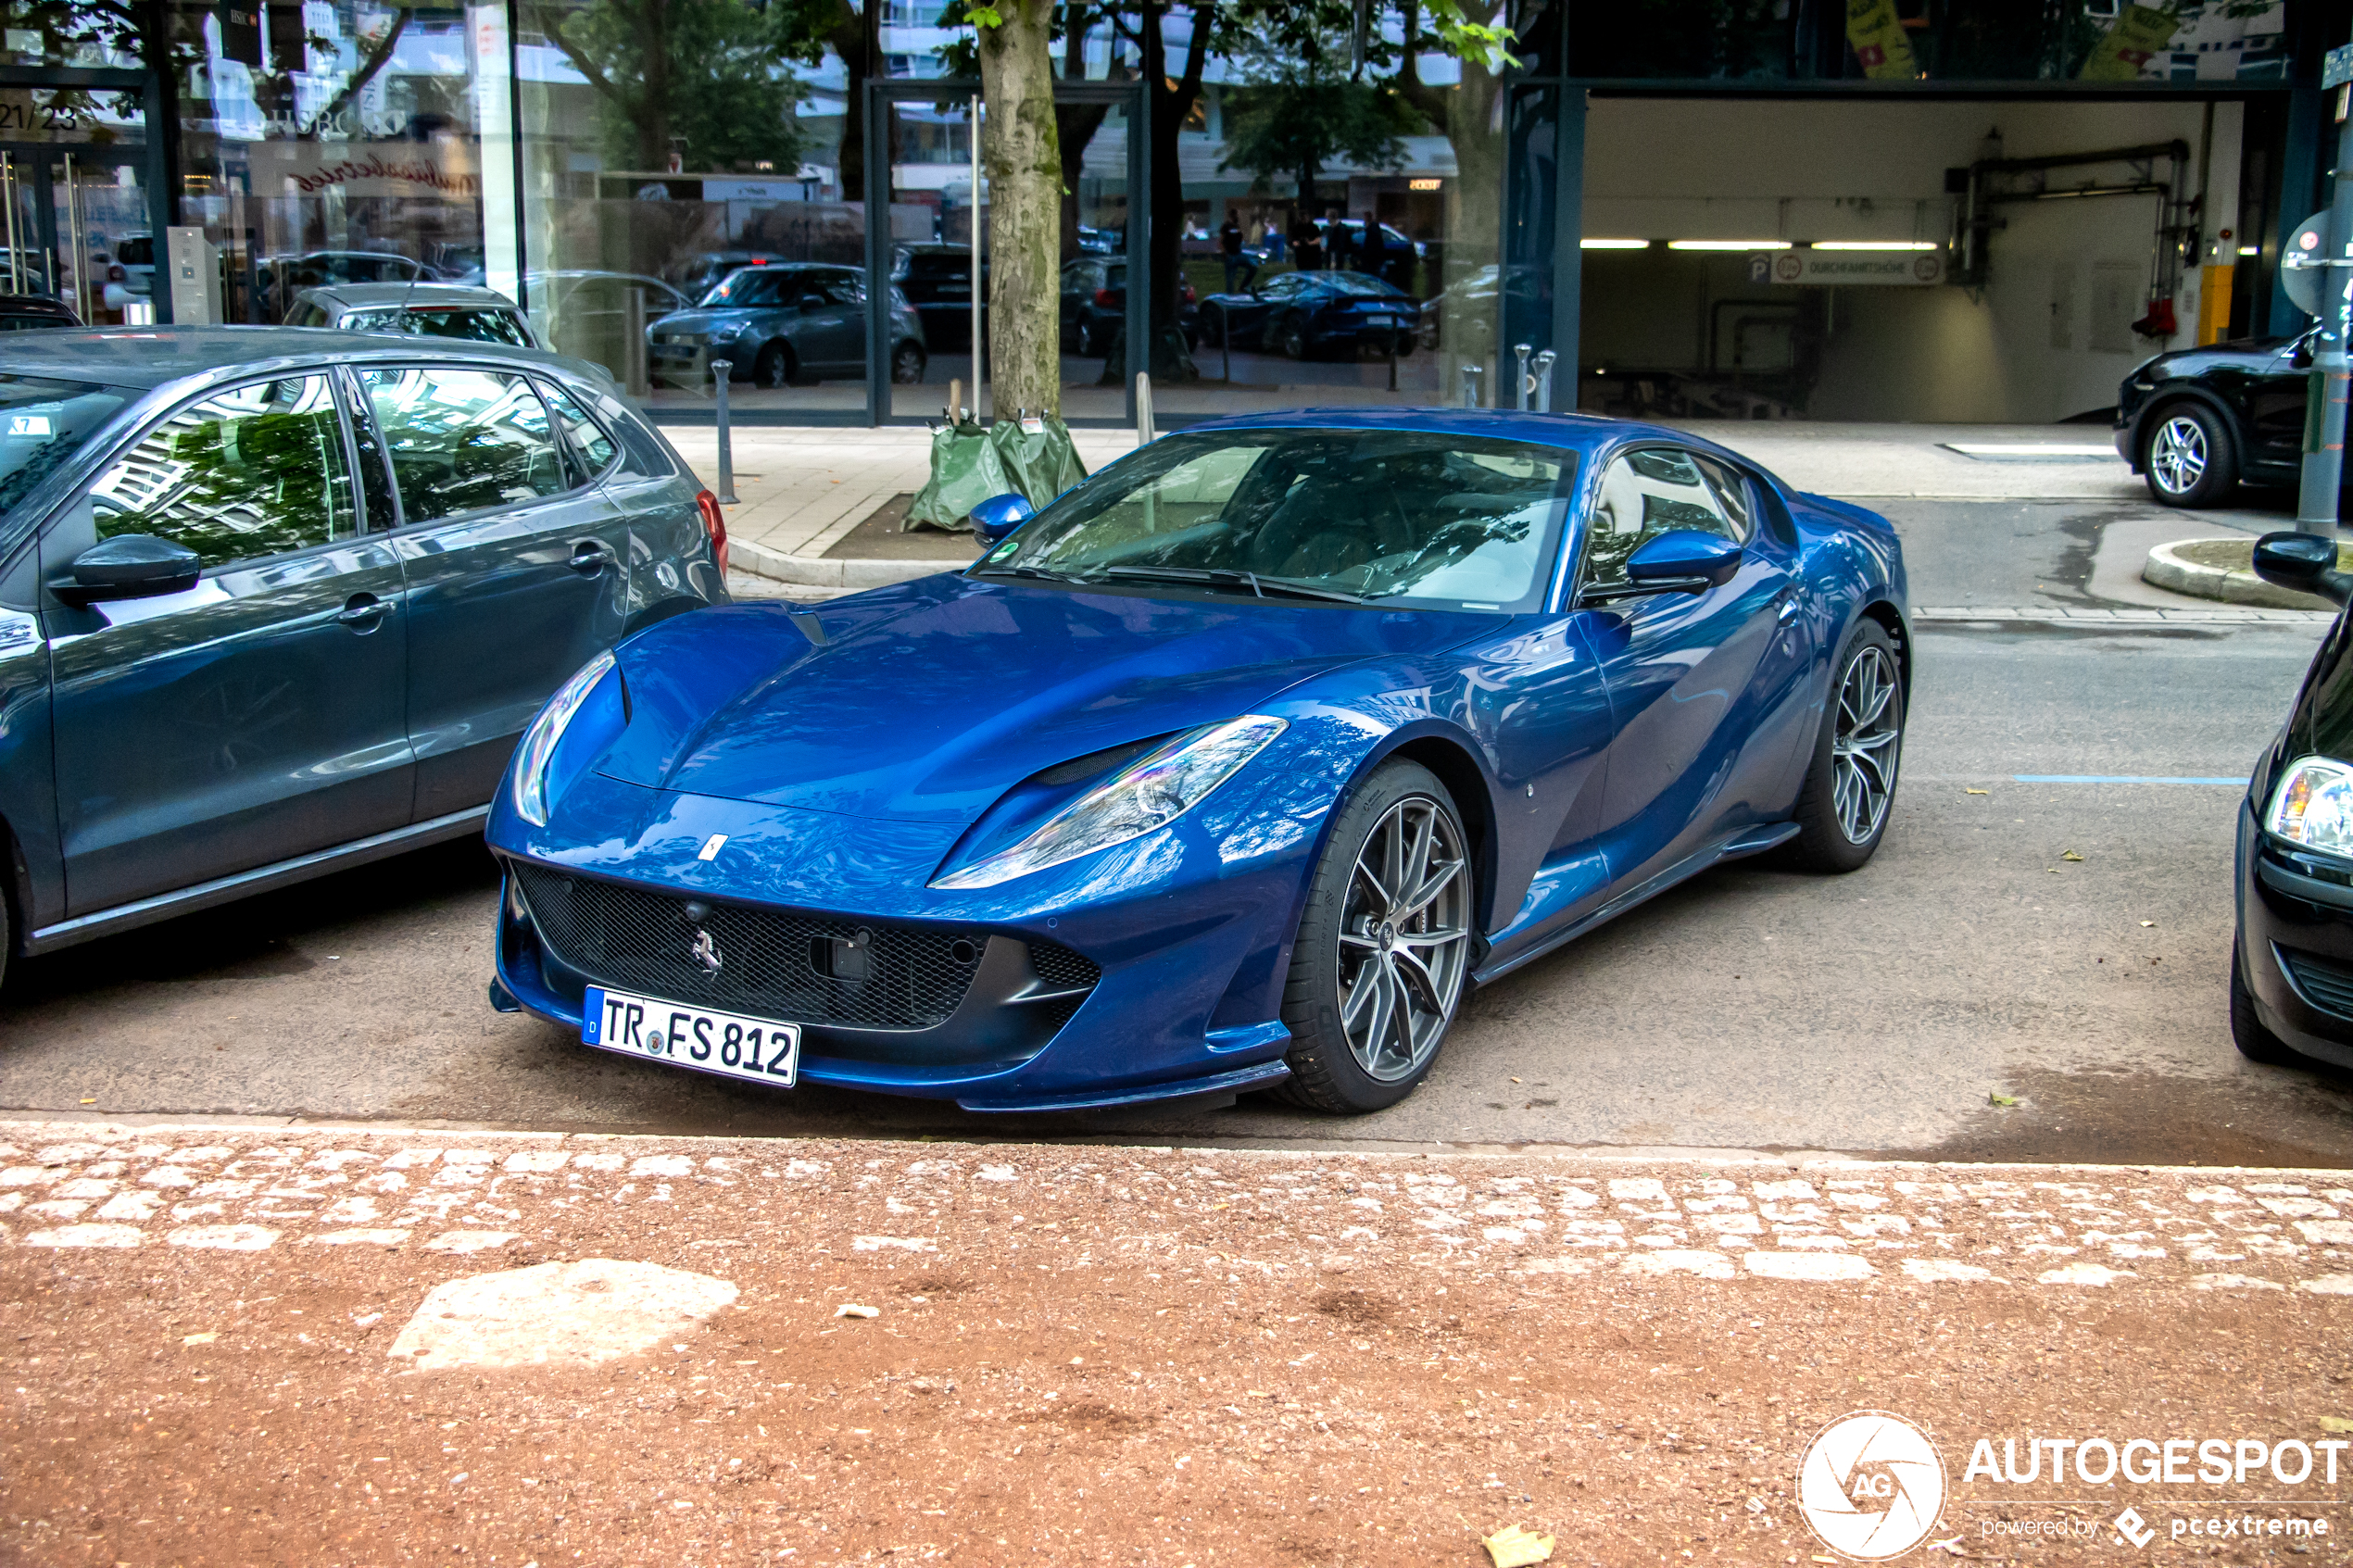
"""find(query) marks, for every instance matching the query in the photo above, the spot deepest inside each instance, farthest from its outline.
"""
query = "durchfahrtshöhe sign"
(1840, 268)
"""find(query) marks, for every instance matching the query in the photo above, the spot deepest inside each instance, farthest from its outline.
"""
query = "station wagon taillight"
(715, 526)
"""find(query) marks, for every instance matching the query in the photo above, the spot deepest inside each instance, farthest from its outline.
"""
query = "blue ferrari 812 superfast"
(1232, 769)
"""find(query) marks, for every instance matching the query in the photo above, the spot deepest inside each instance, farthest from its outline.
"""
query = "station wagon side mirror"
(129, 565)
(812, 302)
(996, 518)
(2306, 563)
(1681, 560)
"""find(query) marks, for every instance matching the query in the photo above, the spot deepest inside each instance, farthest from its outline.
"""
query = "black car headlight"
(2313, 805)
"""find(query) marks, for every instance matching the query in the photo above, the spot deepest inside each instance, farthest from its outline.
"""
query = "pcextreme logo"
(1871, 1486)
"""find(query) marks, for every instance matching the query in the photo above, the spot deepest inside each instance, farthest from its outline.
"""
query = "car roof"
(1578, 433)
(418, 294)
(148, 357)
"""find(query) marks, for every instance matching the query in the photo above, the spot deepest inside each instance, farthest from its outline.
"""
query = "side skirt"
(261, 879)
(1748, 841)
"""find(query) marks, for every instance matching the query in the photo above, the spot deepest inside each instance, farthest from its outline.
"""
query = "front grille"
(771, 963)
(1062, 970)
(2327, 984)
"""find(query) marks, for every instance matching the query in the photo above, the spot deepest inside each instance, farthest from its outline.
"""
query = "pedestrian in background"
(1307, 247)
(1229, 242)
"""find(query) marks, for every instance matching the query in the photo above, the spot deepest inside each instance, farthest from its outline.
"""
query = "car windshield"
(749, 285)
(1358, 284)
(42, 424)
(1406, 517)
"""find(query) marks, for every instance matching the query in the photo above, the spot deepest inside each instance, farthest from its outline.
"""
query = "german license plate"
(727, 1043)
(1380, 320)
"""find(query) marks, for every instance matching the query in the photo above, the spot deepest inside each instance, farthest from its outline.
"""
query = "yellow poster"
(1880, 41)
(2139, 34)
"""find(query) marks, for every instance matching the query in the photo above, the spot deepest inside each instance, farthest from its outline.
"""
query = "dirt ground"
(1124, 1356)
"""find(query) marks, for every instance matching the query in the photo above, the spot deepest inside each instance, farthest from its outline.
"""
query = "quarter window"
(1645, 494)
(588, 439)
(255, 470)
(464, 440)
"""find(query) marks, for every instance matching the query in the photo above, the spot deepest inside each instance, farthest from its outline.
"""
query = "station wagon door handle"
(363, 612)
(591, 556)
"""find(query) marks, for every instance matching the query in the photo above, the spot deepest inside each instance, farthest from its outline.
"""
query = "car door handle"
(363, 612)
(591, 556)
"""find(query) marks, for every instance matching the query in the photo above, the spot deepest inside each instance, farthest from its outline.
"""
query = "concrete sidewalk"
(366, 1345)
(803, 490)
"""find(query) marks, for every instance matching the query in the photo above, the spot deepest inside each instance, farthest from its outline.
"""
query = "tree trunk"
(1172, 101)
(1023, 157)
(850, 36)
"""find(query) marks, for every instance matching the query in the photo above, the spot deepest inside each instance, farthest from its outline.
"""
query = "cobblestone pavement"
(360, 1346)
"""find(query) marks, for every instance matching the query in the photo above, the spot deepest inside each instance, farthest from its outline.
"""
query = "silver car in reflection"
(784, 326)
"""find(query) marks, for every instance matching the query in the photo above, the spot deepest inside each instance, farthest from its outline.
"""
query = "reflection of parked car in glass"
(447, 310)
(124, 270)
(456, 264)
(1470, 306)
(34, 312)
(283, 277)
(784, 326)
(938, 280)
(1094, 306)
(1303, 314)
(286, 599)
(698, 275)
(588, 313)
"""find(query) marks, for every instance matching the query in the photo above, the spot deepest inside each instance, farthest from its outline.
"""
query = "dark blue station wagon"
(275, 602)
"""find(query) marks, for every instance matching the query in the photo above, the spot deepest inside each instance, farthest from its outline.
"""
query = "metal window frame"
(880, 97)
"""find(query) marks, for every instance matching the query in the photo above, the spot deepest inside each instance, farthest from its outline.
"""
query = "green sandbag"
(969, 465)
(965, 471)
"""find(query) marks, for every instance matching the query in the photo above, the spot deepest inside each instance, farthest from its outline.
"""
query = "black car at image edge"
(2197, 421)
(2292, 958)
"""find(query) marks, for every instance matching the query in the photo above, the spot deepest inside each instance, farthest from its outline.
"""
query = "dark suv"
(2199, 421)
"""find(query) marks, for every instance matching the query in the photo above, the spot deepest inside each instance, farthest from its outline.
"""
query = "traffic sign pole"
(2323, 474)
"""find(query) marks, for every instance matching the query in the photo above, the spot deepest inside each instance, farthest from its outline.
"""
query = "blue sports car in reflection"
(1230, 769)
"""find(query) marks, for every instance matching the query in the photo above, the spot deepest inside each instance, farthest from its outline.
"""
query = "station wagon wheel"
(774, 368)
(1384, 945)
(2189, 461)
(907, 364)
(1842, 808)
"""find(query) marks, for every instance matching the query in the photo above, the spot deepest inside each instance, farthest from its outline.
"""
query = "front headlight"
(1148, 793)
(2313, 805)
(539, 742)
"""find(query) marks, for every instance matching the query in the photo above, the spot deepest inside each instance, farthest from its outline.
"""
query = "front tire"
(1850, 787)
(773, 368)
(2189, 461)
(1291, 339)
(2255, 1042)
(907, 363)
(1384, 947)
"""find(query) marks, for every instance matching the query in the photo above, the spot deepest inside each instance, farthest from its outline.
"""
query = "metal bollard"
(1470, 386)
(1520, 385)
(719, 370)
(1544, 381)
(1143, 409)
(636, 373)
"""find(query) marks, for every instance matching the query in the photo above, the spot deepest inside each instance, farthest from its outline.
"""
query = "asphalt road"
(1752, 1008)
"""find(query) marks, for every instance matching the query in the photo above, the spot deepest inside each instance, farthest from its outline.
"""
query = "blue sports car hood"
(927, 701)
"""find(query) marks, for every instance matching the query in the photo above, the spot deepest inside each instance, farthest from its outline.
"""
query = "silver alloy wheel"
(2178, 455)
(1404, 940)
(1867, 745)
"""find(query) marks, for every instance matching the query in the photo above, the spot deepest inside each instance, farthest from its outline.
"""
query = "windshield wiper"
(1036, 573)
(1221, 577)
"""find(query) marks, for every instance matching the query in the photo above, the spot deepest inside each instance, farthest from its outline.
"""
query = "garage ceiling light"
(1613, 244)
(1877, 244)
(1728, 245)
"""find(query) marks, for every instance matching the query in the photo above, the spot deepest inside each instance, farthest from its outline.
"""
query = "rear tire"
(1850, 788)
(907, 362)
(1376, 975)
(1291, 339)
(2188, 459)
(2255, 1042)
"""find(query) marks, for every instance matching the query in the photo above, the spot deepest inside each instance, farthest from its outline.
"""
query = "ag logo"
(1871, 1486)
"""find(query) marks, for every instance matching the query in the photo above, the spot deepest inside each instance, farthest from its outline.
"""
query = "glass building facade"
(1657, 190)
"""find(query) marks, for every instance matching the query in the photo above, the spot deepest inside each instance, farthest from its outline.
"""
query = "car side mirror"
(129, 565)
(2306, 563)
(1684, 559)
(812, 302)
(995, 519)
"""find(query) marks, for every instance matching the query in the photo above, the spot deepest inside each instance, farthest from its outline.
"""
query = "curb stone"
(822, 571)
(2165, 568)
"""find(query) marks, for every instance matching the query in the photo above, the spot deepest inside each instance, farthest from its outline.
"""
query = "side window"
(644, 453)
(464, 440)
(1731, 493)
(1644, 494)
(255, 470)
(588, 439)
